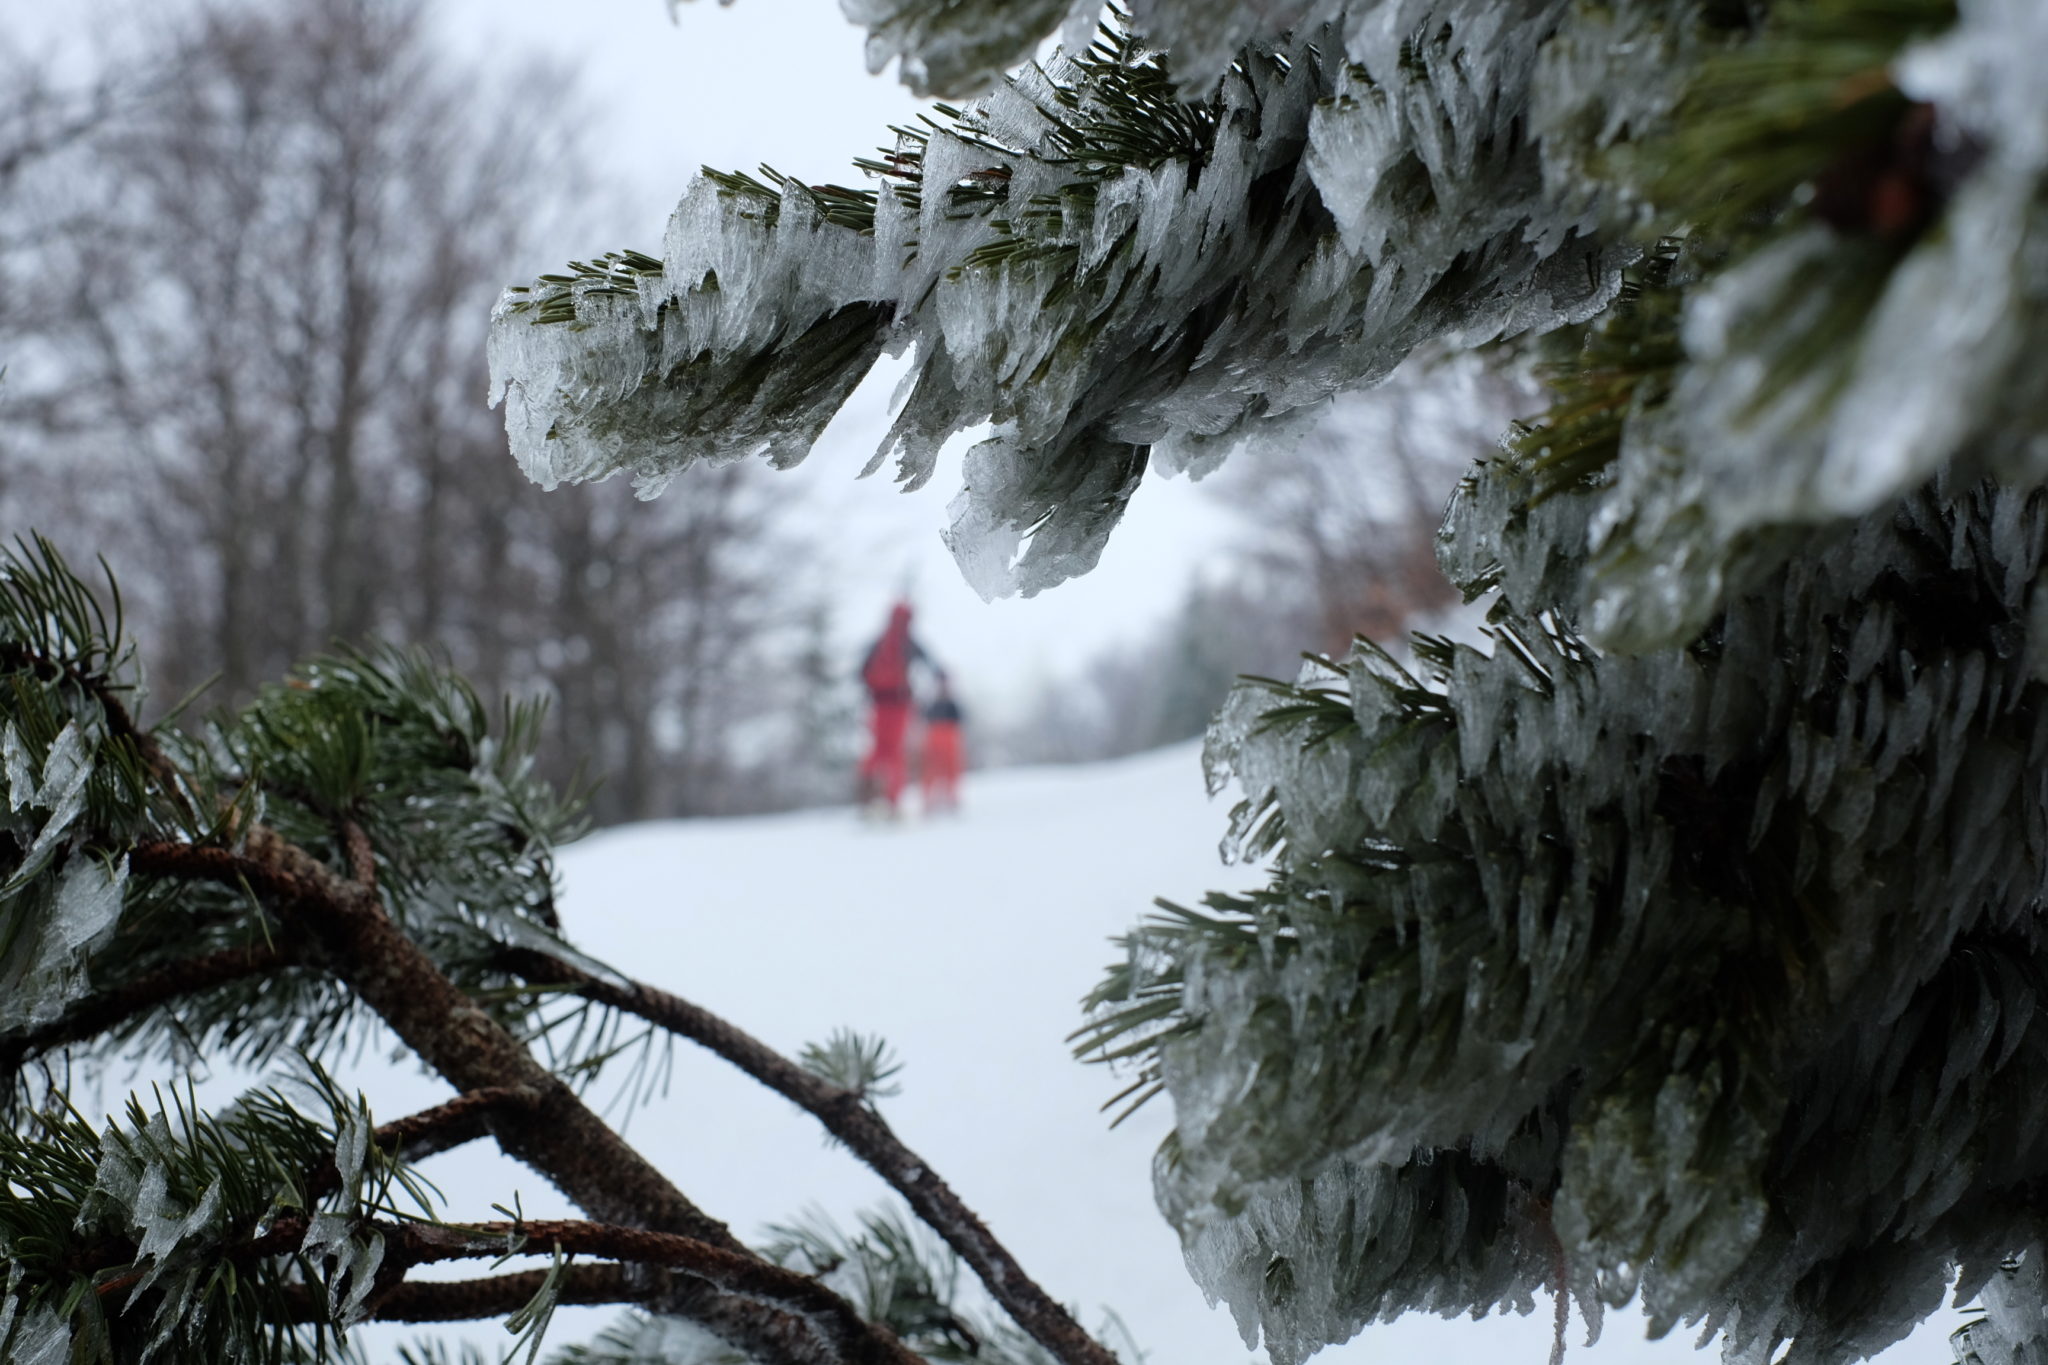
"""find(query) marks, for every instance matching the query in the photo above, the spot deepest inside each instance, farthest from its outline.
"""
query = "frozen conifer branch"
(1812, 918)
(366, 843)
(1374, 176)
(1108, 274)
(847, 1115)
(499, 1296)
(1693, 928)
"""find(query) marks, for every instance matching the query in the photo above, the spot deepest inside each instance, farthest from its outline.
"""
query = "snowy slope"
(966, 943)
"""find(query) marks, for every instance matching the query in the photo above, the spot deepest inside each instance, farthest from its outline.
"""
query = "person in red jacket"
(943, 757)
(886, 675)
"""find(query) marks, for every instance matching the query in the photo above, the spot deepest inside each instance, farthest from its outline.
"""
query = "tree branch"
(465, 1118)
(98, 1013)
(865, 1133)
(442, 1128)
(558, 1135)
(120, 724)
(740, 1274)
(747, 1276)
(362, 856)
(494, 1296)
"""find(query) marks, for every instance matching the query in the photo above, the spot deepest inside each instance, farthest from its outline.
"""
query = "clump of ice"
(1356, 189)
(1642, 973)
(954, 50)
(1759, 436)
(53, 922)
(35, 1335)
(1827, 375)
(2014, 1328)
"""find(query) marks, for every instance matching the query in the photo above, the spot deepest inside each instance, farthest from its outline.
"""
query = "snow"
(966, 943)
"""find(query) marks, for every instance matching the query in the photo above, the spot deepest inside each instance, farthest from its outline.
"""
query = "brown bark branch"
(465, 1118)
(866, 1135)
(362, 856)
(558, 1135)
(442, 1128)
(100, 1012)
(493, 1296)
(739, 1274)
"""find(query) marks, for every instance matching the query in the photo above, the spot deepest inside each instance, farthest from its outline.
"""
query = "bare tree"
(1344, 524)
(42, 120)
(1163, 687)
(257, 359)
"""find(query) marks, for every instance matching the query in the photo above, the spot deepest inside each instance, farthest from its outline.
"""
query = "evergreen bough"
(1686, 943)
(364, 853)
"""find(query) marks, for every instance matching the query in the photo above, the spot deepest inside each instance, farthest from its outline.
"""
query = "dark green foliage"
(382, 764)
(386, 743)
(362, 845)
(128, 1233)
(1624, 366)
(892, 1270)
(1758, 949)
(1769, 122)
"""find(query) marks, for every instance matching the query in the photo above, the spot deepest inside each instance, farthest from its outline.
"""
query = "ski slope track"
(966, 942)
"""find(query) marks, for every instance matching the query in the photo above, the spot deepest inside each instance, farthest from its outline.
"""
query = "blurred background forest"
(247, 258)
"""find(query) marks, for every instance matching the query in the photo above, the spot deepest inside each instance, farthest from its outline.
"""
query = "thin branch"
(557, 1135)
(362, 856)
(740, 1274)
(442, 1128)
(105, 1010)
(465, 1118)
(493, 1296)
(847, 1117)
(561, 1137)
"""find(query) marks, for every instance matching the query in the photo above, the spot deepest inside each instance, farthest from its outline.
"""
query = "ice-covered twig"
(866, 1134)
(106, 1010)
(557, 1135)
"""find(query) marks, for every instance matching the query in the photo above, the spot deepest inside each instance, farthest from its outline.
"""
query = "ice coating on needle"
(955, 50)
(1684, 943)
(53, 923)
(35, 1335)
(188, 1190)
(1109, 260)
(1748, 1039)
(1834, 367)
(1095, 292)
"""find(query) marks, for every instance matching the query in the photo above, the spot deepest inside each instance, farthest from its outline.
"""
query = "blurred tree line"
(246, 266)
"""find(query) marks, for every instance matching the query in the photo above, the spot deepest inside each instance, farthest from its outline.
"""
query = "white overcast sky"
(785, 82)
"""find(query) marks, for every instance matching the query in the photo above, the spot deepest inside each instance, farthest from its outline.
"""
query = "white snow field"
(966, 943)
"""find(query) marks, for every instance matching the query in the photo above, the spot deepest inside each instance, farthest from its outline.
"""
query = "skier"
(886, 675)
(942, 759)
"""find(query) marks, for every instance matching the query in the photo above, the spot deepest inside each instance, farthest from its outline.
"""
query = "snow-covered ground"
(966, 943)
